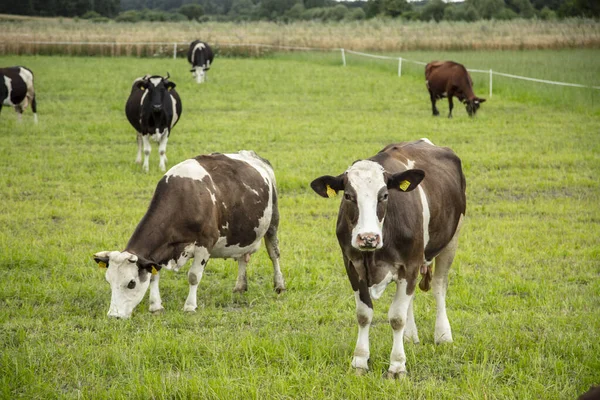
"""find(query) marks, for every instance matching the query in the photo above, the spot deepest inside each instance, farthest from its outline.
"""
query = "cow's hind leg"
(201, 256)
(162, 150)
(241, 284)
(272, 244)
(147, 150)
(433, 107)
(398, 315)
(138, 158)
(443, 332)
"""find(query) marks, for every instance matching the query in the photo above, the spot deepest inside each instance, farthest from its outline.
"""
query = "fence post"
(399, 66)
(490, 83)
(174, 51)
(343, 57)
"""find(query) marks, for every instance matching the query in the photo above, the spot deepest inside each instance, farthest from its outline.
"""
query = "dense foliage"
(287, 10)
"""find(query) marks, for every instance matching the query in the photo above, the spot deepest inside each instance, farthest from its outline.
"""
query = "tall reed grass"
(24, 37)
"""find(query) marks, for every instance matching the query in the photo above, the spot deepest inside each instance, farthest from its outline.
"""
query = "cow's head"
(473, 105)
(199, 73)
(129, 278)
(366, 185)
(157, 88)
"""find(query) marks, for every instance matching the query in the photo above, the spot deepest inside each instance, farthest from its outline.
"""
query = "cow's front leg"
(397, 315)
(147, 149)
(450, 105)
(138, 158)
(364, 316)
(162, 150)
(201, 256)
(241, 284)
(434, 109)
(155, 301)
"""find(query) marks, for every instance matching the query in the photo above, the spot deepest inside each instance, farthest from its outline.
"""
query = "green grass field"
(524, 295)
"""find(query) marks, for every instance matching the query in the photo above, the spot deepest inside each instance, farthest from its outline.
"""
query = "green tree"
(191, 11)
(395, 8)
(433, 10)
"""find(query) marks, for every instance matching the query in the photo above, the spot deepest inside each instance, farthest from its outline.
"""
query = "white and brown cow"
(153, 109)
(201, 56)
(217, 205)
(16, 89)
(401, 210)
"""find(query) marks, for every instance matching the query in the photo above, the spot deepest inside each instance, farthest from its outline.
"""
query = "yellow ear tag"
(154, 270)
(142, 88)
(404, 185)
(330, 192)
(102, 264)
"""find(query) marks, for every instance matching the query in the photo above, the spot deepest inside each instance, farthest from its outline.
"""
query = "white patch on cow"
(426, 215)
(199, 74)
(142, 103)
(410, 164)
(8, 84)
(225, 227)
(366, 177)
(198, 46)
(398, 315)
(222, 249)
(156, 81)
(377, 290)
(251, 189)
(175, 115)
(187, 169)
(212, 196)
(427, 141)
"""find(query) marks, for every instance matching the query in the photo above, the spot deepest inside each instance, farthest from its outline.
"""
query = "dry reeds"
(80, 37)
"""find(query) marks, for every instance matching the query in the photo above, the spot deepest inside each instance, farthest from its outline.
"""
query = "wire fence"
(161, 49)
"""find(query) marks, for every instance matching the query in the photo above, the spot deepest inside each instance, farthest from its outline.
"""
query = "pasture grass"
(524, 289)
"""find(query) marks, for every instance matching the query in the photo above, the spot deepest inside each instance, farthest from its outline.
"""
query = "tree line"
(291, 10)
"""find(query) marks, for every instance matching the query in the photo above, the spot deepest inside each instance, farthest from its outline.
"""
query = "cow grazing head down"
(366, 185)
(473, 105)
(129, 278)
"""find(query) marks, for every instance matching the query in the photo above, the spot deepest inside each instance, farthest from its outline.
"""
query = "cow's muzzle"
(368, 241)
(157, 108)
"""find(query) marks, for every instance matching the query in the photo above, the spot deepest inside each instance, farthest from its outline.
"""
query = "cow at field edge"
(218, 205)
(153, 108)
(200, 55)
(16, 89)
(401, 210)
(451, 79)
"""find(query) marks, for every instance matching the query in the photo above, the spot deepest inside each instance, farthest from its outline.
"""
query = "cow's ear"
(480, 100)
(406, 181)
(327, 185)
(101, 259)
(141, 85)
(170, 85)
(148, 265)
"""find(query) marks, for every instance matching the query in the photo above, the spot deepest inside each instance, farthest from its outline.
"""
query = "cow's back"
(446, 76)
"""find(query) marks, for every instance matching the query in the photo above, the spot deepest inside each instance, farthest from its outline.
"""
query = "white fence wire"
(400, 60)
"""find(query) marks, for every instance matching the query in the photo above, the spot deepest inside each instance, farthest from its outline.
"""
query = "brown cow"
(448, 79)
(401, 210)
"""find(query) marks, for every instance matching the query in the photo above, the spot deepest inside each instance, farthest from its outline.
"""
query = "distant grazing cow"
(401, 209)
(218, 205)
(448, 79)
(16, 89)
(200, 55)
(153, 108)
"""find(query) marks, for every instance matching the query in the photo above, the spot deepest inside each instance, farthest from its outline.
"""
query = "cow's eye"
(131, 284)
(348, 197)
(383, 197)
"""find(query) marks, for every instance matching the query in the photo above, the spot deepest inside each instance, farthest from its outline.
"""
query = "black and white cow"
(153, 108)
(16, 89)
(200, 55)
(401, 210)
(218, 205)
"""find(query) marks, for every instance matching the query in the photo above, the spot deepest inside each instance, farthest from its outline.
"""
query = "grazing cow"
(401, 209)
(448, 79)
(16, 89)
(218, 205)
(153, 108)
(200, 55)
